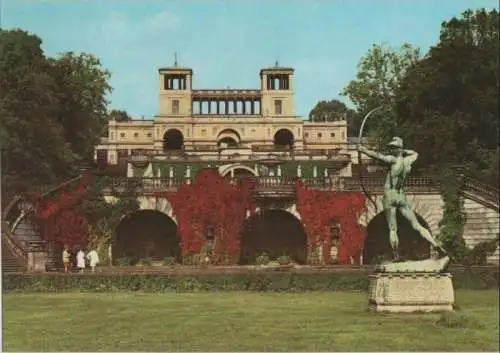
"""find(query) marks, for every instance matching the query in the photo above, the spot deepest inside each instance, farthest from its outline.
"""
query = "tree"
(448, 102)
(33, 145)
(335, 110)
(82, 89)
(119, 115)
(104, 216)
(52, 112)
(379, 75)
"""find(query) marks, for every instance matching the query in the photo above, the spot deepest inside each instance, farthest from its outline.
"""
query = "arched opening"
(283, 138)
(146, 234)
(276, 233)
(228, 138)
(227, 142)
(173, 140)
(239, 173)
(378, 248)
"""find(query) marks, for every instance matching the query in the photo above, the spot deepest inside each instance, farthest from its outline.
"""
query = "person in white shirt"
(93, 259)
(80, 260)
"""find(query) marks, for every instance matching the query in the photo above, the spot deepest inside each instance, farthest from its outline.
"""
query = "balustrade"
(476, 187)
(417, 184)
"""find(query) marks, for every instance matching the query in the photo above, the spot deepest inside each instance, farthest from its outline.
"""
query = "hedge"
(251, 281)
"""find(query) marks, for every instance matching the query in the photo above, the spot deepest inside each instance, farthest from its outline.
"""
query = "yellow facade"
(211, 123)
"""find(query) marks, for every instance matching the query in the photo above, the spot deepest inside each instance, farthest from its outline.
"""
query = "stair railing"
(17, 249)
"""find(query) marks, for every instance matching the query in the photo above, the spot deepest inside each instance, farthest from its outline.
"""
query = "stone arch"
(284, 138)
(427, 206)
(160, 204)
(229, 137)
(173, 140)
(290, 207)
(377, 246)
(227, 169)
(274, 231)
(146, 233)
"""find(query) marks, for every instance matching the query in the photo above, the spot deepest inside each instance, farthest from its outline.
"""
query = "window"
(122, 135)
(136, 135)
(278, 107)
(150, 134)
(320, 135)
(175, 106)
(332, 134)
(306, 134)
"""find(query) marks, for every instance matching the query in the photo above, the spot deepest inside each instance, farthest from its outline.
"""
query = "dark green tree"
(52, 112)
(34, 150)
(448, 102)
(119, 115)
(82, 90)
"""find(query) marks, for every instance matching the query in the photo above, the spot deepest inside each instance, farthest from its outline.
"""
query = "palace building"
(228, 126)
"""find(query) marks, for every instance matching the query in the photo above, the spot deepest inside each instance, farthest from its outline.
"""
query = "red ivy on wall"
(319, 208)
(56, 218)
(211, 202)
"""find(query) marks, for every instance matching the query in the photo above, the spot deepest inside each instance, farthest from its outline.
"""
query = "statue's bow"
(360, 166)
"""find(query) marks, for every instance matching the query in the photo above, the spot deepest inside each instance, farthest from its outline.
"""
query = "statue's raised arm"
(388, 159)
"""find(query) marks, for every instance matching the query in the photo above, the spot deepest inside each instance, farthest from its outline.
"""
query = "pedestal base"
(37, 261)
(416, 292)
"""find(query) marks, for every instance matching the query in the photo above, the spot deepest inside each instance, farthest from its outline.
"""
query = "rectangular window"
(278, 107)
(175, 106)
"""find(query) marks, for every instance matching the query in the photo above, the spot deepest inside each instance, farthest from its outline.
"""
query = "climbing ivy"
(453, 221)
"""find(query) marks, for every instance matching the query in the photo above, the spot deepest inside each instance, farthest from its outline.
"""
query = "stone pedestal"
(37, 260)
(411, 292)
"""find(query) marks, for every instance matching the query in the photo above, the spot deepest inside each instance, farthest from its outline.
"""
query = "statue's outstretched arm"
(376, 155)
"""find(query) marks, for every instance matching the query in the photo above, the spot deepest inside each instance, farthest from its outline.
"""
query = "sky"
(226, 43)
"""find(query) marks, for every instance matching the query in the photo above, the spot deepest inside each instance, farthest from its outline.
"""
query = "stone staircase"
(13, 257)
(481, 225)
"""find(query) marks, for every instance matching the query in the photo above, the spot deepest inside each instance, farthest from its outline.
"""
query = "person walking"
(80, 260)
(93, 258)
(66, 258)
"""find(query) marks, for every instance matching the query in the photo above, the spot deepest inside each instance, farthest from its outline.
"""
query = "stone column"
(315, 171)
(299, 171)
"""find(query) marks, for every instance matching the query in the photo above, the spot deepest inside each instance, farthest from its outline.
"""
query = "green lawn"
(313, 321)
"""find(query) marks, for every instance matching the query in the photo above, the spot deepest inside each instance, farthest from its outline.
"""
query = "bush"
(192, 259)
(147, 261)
(284, 260)
(479, 254)
(124, 261)
(260, 281)
(169, 261)
(263, 259)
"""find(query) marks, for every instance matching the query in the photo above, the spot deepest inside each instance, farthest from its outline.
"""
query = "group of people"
(92, 257)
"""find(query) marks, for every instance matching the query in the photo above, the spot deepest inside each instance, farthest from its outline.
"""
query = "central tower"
(276, 84)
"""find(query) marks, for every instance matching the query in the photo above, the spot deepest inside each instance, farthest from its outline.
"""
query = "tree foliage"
(379, 76)
(52, 111)
(119, 115)
(448, 102)
(334, 110)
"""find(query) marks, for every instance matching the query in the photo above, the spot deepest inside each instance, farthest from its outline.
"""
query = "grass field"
(315, 321)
